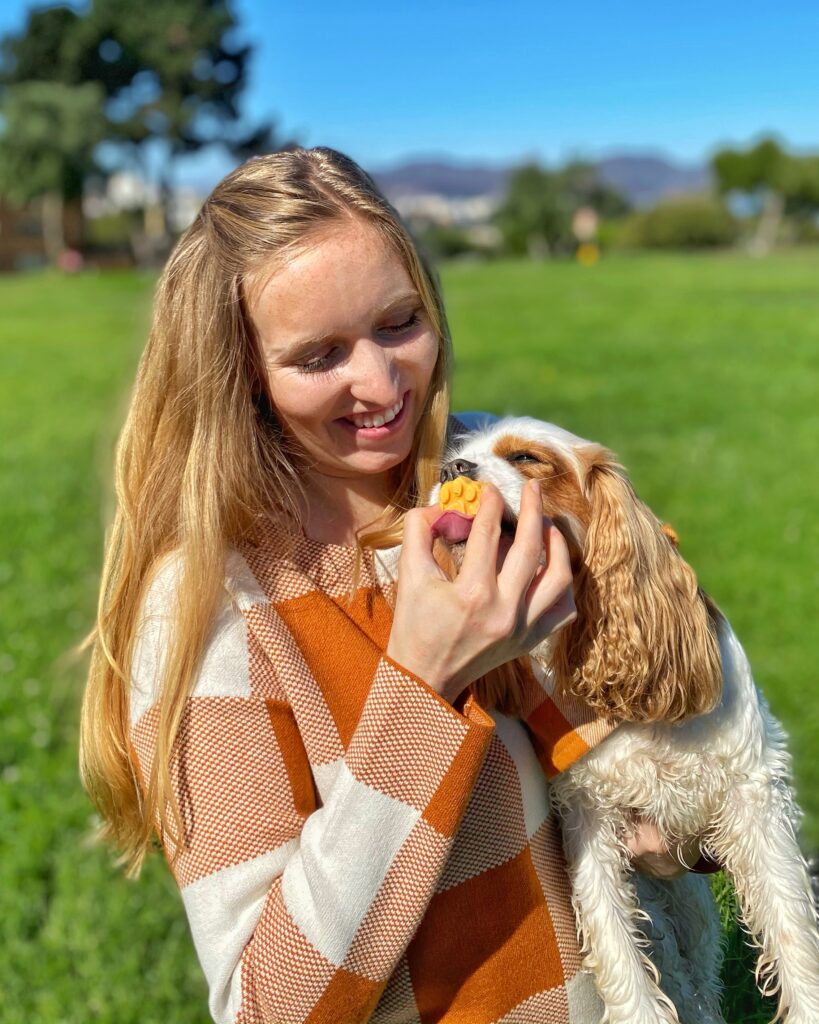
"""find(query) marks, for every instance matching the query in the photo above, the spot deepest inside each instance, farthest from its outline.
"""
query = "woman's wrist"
(652, 855)
(421, 671)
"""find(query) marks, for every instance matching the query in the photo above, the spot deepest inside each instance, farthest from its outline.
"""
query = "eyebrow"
(305, 344)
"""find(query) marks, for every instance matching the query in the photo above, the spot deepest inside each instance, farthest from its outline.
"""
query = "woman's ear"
(643, 646)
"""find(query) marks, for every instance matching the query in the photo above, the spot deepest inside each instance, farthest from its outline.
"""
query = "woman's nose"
(373, 374)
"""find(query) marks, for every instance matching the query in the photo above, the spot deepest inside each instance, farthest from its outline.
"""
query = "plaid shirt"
(356, 848)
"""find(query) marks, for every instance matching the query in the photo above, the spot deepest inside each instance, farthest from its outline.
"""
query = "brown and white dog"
(697, 751)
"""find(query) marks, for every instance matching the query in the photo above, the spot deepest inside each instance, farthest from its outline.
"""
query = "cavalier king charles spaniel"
(696, 750)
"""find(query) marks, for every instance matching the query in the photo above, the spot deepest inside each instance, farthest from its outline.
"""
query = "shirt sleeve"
(300, 909)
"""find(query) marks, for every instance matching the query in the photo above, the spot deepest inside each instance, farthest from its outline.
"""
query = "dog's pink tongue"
(452, 526)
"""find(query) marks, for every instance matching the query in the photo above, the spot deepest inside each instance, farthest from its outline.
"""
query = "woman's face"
(349, 352)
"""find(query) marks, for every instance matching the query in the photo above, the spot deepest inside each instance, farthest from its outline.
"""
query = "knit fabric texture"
(356, 849)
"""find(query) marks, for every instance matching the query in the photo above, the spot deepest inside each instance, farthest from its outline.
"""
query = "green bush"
(804, 231)
(698, 222)
(446, 241)
(610, 232)
(111, 232)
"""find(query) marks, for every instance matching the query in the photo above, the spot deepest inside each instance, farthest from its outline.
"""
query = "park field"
(701, 372)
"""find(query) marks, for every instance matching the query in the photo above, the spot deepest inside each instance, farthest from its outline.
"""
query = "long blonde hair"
(201, 462)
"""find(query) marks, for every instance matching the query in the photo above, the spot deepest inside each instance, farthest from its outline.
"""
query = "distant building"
(127, 192)
(446, 211)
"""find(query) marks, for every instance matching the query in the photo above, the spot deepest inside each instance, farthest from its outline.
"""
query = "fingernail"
(534, 487)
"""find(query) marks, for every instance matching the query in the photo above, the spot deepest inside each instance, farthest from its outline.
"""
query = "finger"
(481, 552)
(556, 616)
(549, 582)
(416, 546)
(521, 562)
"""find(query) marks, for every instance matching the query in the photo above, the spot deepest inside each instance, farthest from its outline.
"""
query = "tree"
(171, 75)
(56, 45)
(47, 147)
(535, 217)
(801, 187)
(186, 94)
(581, 182)
(761, 172)
(688, 222)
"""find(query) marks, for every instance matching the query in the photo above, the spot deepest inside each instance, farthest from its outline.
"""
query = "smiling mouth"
(377, 424)
(377, 419)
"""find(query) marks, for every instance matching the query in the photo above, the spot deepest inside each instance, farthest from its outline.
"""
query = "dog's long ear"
(643, 646)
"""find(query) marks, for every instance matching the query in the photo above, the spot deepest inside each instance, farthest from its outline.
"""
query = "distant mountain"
(642, 179)
(441, 178)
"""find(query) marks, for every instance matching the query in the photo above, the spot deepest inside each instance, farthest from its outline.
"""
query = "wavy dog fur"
(643, 647)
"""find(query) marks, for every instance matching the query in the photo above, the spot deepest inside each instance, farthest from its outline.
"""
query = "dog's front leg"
(607, 915)
(755, 840)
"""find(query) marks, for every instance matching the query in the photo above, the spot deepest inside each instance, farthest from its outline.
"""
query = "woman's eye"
(521, 457)
(321, 362)
(315, 365)
(407, 325)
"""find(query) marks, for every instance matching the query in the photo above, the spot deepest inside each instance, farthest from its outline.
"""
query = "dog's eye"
(522, 457)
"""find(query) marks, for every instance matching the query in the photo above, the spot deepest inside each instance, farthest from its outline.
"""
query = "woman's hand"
(502, 603)
(653, 856)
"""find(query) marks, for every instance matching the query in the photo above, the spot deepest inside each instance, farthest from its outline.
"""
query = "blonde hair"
(201, 462)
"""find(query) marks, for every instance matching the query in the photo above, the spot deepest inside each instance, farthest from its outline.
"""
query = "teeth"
(379, 420)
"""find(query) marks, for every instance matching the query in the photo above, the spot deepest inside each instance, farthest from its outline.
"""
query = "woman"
(355, 837)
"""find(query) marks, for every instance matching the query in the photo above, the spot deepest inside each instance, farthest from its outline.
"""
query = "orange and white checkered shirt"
(358, 849)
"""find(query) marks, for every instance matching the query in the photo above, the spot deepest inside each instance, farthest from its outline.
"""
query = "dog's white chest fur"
(682, 773)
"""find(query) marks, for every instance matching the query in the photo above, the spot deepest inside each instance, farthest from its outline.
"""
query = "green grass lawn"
(700, 371)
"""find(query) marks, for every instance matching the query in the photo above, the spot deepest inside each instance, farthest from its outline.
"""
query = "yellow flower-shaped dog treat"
(460, 495)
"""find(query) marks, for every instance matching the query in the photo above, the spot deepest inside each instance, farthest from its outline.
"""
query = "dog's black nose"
(458, 467)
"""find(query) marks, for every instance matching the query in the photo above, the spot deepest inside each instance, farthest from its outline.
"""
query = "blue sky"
(502, 81)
